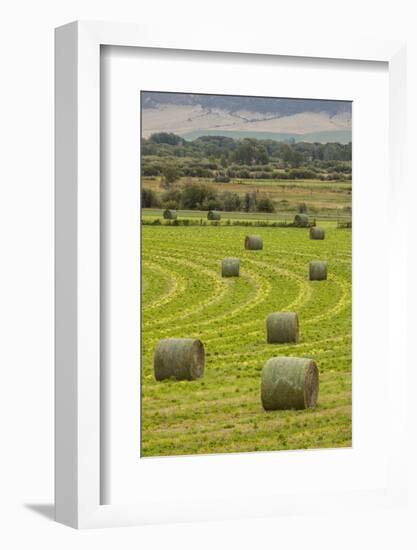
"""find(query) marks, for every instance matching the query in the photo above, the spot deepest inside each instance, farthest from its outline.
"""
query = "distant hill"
(338, 136)
(194, 115)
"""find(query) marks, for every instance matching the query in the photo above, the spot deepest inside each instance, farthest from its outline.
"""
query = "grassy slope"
(184, 296)
(340, 136)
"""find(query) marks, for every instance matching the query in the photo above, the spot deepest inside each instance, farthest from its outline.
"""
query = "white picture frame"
(77, 242)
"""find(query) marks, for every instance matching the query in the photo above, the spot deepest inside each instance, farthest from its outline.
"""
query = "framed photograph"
(230, 340)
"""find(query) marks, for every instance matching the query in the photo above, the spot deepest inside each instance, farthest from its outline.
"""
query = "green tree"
(195, 195)
(171, 199)
(167, 138)
(223, 161)
(290, 155)
(170, 174)
(251, 151)
(265, 204)
(149, 198)
(249, 202)
(230, 201)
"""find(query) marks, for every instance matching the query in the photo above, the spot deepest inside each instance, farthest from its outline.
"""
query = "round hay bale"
(180, 358)
(213, 215)
(317, 233)
(170, 214)
(289, 383)
(318, 271)
(253, 242)
(301, 220)
(282, 328)
(230, 267)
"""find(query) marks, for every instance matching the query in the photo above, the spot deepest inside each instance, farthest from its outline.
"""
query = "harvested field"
(185, 296)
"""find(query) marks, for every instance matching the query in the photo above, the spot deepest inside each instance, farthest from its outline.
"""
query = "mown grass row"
(183, 295)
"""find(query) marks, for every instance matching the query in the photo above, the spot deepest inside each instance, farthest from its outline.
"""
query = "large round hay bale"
(180, 358)
(301, 220)
(230, 267)
(170, 214)
(289, 383)
(213, 215)
(318, 271)
(282, 328)
(253, 242)
(317, 233)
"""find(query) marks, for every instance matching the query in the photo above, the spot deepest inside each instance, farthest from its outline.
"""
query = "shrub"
(149, 198)
(171, 173)
(238, 173)
(170, 205)
(197, 172)
(211, 203)
(335, 176)
(222, 178)
(249, 202)
(302, 173)
(262, 175)
(281, 175)
(171, 199)
(194, 195)
(151, 170)
(230, 202)
(265, 204)
(167, 138)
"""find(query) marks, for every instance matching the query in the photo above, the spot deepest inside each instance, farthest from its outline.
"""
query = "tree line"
(197, 196)
(246, 151)
(223, 158)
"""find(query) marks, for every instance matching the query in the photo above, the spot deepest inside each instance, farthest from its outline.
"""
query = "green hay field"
(183, 295)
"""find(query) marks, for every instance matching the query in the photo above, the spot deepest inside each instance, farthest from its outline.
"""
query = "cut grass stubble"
(222, 412)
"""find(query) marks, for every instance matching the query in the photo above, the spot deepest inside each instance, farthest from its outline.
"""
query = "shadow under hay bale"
(301, 220)
(253, 242)
(282, 328)
(230, 267)
(180, 358)
(317, 233)
(170, 214)
(289, 383)
(318, 271)
(213, 215)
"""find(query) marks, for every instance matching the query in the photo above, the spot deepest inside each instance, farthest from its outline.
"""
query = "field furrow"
(184, 295)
